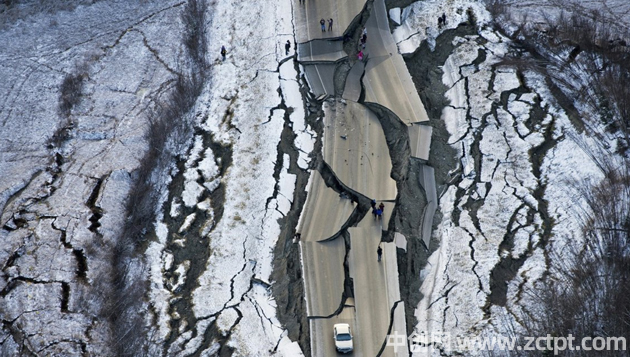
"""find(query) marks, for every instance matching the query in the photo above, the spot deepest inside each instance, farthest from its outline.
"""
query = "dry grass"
(586, 57)
(167, 124)
(587, 293)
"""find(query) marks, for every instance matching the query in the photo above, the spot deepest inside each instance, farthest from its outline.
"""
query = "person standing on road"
(223, 52)
(330, 22)
(379, 252)
(323, 23)
(287, 47)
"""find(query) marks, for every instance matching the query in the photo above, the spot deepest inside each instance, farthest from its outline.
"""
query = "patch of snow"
(467, 255)
(287, 348)
(180, 274)
(241, 109)
(187, 222)
(158, 294)
(420, 21)
(394, 14)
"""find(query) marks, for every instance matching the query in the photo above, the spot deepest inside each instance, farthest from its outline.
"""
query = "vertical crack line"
(97, 212)
(65, 296)
(472, 257)
(389, 328)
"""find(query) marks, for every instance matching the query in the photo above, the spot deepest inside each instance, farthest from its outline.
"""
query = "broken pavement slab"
(307, 15)
(324, 275)
(324, 272)
(420, 140)
(400, 240)
(376, 289)
(387, 80)
(324, 211)
(320, 51)
(320, 78)
(356, 150)
(352, 89)
(427, 181)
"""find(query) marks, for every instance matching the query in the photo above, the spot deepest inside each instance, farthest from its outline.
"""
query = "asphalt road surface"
(343, 280)
(387, 80)
(356, 150)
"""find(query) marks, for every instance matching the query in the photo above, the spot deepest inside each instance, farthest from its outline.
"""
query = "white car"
(343, 338)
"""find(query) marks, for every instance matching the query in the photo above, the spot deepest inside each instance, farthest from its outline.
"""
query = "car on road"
(343, 338)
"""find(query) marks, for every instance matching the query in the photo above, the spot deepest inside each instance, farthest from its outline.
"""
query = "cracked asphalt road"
(344, 282)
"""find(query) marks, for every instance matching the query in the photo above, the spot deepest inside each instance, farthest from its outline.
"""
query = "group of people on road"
(322, 22)
(363, 40)
(377, 211)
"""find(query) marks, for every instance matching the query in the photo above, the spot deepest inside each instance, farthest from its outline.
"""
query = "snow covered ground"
(242, 109)
(63, 205)
(512, 200)
(419, 21)
(209, 265)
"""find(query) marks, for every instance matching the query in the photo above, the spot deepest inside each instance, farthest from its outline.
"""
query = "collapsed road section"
(374, 125)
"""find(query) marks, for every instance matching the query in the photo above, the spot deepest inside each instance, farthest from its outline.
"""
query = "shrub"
(71, 89)
(591, 297)
(167, 123)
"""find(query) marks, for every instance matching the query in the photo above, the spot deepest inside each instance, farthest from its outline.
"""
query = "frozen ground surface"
(63, 206)
(511, 199)
(420, 18)
(229, 306)
(617, 12)
(54, 240)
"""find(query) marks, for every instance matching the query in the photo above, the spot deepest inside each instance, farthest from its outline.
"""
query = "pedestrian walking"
(374, 212)
(379, 213)
(323, 23)
(360, 55)
(373, 203)
(287, 47)
(330, 22)
(444, 19)
(440, 22)
(381, 206)
(379, 252)
(223, 52)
